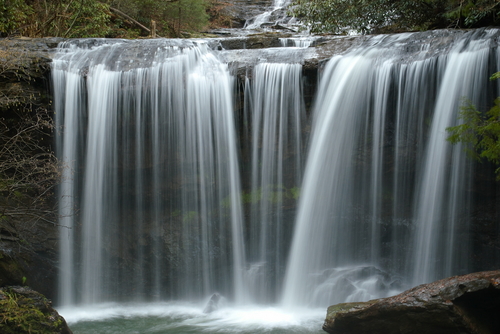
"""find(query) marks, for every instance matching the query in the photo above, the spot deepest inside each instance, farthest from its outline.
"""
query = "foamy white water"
(174, 317)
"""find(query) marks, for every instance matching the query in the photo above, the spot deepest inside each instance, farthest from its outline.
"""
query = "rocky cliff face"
(28, 227)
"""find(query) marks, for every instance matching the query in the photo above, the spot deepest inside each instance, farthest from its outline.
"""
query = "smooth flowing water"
(384, 203)
(154, 169)
(276, 117)
(275, 15)
(181, 180)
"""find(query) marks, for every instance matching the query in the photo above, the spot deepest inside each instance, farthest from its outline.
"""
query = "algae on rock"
(23, 310)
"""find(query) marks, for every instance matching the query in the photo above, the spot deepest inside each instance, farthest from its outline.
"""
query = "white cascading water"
(276, 116)
(440, 201)
(372, 145)
(328, 184)
(154, 207)
(267, 17)
(298, 42)
(71, 84)
(149, 142)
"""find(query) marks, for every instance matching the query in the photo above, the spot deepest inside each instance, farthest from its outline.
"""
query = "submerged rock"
(23, 310)
(213, 303)
(459, 304)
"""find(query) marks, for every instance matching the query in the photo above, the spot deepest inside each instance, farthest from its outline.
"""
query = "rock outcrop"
(28, 235)
(23, 310)
(458, 305)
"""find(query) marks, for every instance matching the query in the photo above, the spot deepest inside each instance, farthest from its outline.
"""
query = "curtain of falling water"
(277, 120)
(150, 164)
(441, 203)
(149, 150)
(384, 203)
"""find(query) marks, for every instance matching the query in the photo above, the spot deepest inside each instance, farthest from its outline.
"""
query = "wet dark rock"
(24, 67)
(23, 310)
(459, 304)
(27, 248)
(257, 41)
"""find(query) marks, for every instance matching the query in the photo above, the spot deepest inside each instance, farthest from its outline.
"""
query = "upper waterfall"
(273, 16)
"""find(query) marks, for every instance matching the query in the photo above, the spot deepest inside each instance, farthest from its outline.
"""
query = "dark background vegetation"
(382, 16)
(108, 18)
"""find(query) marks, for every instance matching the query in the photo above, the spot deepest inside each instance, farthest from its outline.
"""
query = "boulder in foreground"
(23, 310)
(456, 305)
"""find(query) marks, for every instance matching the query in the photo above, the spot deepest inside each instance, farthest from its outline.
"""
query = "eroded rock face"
(459, 304)
(28, 237)
(23, 310)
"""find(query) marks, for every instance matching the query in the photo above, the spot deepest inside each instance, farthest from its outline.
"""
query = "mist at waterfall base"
(181, 180)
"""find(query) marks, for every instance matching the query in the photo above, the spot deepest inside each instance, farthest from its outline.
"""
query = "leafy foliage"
(364, 16)
(469, 13)
(172, 16)
(64, 18)
(13, 14)
(479, 132)
(105, 18)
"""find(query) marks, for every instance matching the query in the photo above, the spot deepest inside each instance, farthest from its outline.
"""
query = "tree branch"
(122, 14)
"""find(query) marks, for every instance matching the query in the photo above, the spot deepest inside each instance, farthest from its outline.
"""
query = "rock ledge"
(458, 305)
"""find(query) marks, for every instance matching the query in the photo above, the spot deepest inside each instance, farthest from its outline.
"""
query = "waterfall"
(277, 117)
(180, 179)
(150, 143)
(71, 84)
(274, 15)
(384, 194)
(440, 202)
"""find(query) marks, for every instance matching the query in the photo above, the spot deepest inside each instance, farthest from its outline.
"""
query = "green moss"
(272, 193)
(21, 314)
(347, 307)
(294, 193)
(189, 216)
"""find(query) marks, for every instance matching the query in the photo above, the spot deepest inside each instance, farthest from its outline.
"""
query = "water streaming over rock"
(276, 114)
(149, 132)
(170, 192)
(275, 15)
(299, 42)
(385, 199)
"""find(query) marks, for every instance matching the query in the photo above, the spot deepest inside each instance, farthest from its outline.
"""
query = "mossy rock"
(343, 308)
(23, 310)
